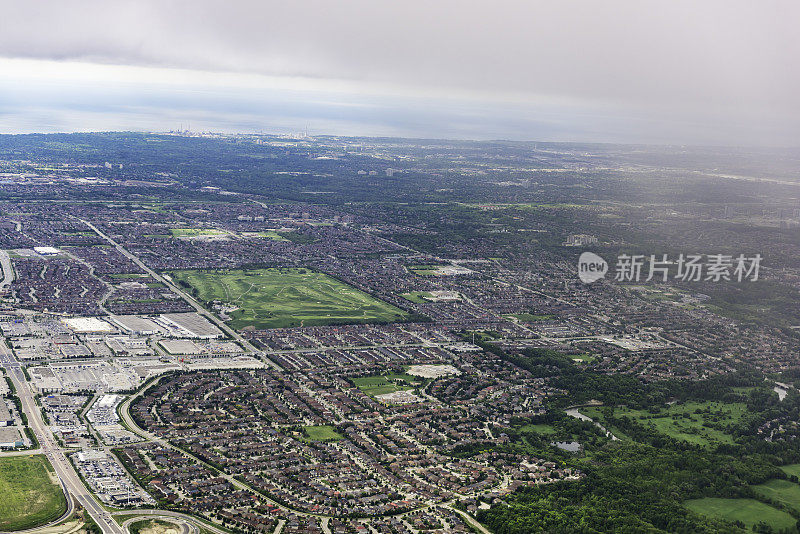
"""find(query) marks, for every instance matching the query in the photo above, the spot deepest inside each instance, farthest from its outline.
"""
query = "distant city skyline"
(677, 73)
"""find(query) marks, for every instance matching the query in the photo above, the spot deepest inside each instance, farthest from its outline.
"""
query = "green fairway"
(782, 491)
(748, 511)
(278, 298)
(322, 433)
(696, 422)
(29, 493)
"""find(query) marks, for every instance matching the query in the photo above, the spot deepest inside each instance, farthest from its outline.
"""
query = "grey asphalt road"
(64, 470)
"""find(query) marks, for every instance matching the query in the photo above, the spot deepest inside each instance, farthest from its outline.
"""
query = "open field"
(321, 433)
(29, 493)
(541, 428)
(195, 232)
(277, 298)
(694, 422)
(419, 297)
(383, 384)
(272, 234)
(791, 469)
(748, 511)
(782, 491)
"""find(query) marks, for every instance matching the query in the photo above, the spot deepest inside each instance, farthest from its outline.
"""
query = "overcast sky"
(711, 72)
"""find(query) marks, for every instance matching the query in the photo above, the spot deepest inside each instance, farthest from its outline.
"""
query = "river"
(573, 412)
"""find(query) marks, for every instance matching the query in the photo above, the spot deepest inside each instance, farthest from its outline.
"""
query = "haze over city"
(716, 72)
(372, 267)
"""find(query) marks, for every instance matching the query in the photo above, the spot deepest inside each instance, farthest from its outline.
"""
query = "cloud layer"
(719, 66)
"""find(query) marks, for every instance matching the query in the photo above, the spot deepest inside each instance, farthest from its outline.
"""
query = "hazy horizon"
(718, 73)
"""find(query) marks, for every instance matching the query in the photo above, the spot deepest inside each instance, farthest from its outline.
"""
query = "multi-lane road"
(74, 489)
(167, 282)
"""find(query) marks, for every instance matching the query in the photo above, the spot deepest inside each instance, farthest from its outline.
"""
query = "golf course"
(283, 297)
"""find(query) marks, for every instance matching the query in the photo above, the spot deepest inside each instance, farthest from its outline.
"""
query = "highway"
(70, 481)
(187, 522)
(184, 526)
(177, 290)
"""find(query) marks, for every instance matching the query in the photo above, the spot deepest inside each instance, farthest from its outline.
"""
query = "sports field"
(278, 298)
(748, 511)
(322, 433)
(29, 493)
(382, 384)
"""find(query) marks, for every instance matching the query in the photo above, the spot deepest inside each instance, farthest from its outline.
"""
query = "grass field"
(195, 232)
(322, 433)
(690, 421)
(791, 469)
(277, 298)
(748, 511)
(419, 297)
(382, 384)
(582, 358)
(530, 317)
(29, 493)
(782, 491)
(272, 234)
(542, 428)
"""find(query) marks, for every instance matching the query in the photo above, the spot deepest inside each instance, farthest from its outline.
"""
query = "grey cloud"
(710, 62)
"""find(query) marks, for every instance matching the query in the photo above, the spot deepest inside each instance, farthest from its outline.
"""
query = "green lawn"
(681, 421)
(542, 428)
(278, 298)
(419, 297)
(298, 238)
(271, 234)
(29, 493)
(195, 232)
(582, 358)
(791, 469)
(322, 433)
(748, 511)
(382, 384)
(782, 491)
